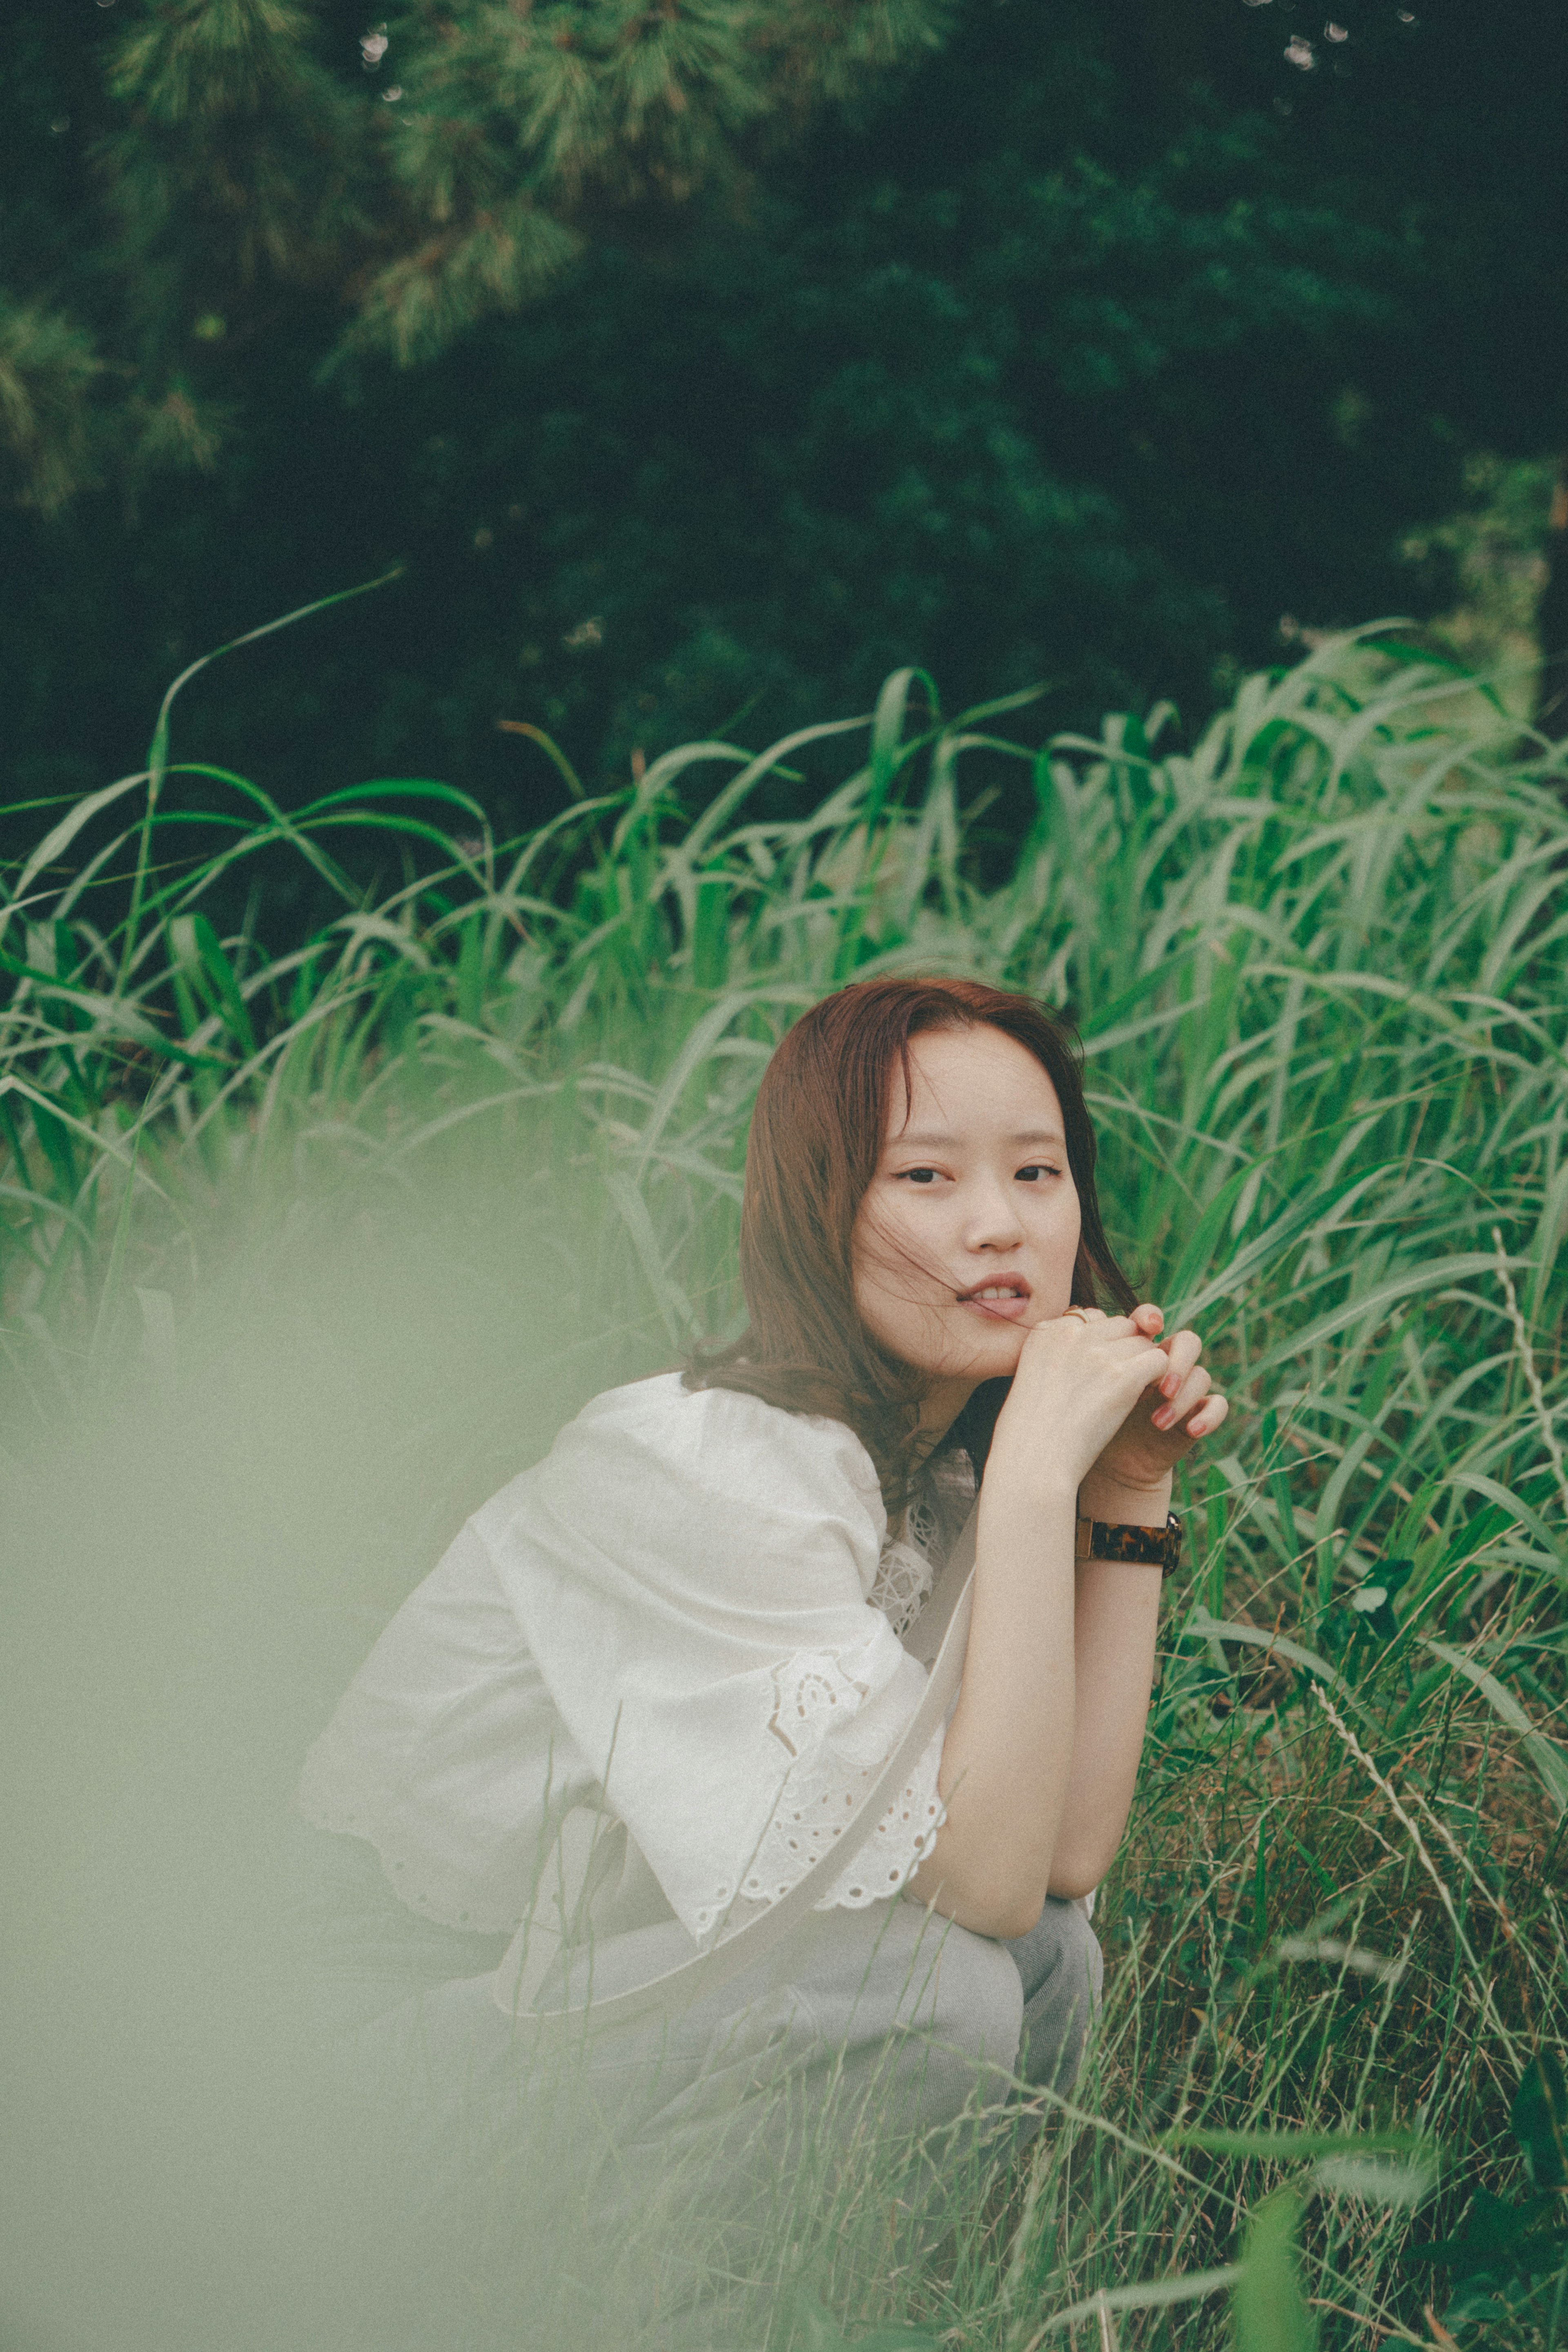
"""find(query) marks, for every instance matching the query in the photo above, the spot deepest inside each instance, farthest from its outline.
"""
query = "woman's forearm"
(1008, 1753)
(1115, 1619)
(1043, 1752)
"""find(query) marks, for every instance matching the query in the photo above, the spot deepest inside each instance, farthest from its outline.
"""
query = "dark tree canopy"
(702, 362)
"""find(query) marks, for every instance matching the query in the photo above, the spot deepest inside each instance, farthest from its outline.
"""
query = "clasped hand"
(1107, 1394)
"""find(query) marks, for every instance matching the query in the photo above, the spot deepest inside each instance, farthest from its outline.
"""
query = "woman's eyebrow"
(927, 1138)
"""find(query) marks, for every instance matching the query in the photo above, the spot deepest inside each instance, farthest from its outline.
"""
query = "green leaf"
(1145, 2294)
(888, 748)
(1203, 1627)
(1439, 1274)
(1540, 2120)
(1500, 2240)
(64, 1118)
(1514, 1507)
(674, 1308)
(57, 842)
(1376, 2183)
(1550, 1762)
(1267, 2310)
(699, 1043)
(395, 788)
(1200, 1242)
(1314, 1207)
(1285, 2146)
(1107, 1015)
(199, 955)
(813, 2329)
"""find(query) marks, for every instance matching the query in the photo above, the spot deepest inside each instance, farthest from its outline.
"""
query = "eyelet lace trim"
(808, 1823)
(807, 1689)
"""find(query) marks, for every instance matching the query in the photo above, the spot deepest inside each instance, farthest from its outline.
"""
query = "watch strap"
(1114, 1539)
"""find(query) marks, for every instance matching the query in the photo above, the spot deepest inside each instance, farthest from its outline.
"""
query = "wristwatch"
(1111, 1539)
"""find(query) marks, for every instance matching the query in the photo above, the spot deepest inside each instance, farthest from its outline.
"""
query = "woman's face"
(968, 1230)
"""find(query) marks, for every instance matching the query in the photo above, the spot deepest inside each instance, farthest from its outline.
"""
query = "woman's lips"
(1004, 1306)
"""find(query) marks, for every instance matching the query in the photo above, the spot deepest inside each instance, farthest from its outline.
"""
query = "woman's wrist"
(1121, 1503)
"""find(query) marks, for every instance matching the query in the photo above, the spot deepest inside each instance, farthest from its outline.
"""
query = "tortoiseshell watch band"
(1149, 1547)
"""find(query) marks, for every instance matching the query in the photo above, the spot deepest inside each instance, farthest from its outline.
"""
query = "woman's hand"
(1079, 1384)
(1174, 1414)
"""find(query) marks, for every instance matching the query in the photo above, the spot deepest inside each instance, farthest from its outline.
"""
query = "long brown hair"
(816, 1138)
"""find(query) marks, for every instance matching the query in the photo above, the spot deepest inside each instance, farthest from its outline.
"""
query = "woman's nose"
(993, 1222)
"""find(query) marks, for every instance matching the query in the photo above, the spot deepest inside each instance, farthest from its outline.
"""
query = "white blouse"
(689, 1612)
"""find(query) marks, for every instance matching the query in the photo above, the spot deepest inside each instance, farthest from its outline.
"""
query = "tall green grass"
(479, 1136)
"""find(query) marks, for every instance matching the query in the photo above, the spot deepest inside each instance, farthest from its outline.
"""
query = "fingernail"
(1169, 1385)
(1163, 1418)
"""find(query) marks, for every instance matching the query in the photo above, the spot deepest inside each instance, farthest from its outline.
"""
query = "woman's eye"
(1038, 1169)
(917, 1176)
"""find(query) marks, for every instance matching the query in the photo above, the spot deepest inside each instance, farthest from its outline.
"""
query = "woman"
(698, 1618)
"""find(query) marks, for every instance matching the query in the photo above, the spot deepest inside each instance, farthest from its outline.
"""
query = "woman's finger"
(1186, 1400)
(1183, 1350)
(1207, 1417)
(1095, 1320)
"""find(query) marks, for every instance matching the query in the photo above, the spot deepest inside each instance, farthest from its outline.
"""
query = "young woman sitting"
(698, 1628)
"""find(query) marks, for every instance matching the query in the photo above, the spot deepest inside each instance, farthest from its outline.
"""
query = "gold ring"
(1076, 1312)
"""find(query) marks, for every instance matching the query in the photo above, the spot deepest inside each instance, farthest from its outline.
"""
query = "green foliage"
(516, 127)
(47, 372)
(1497, 541)
(1510, 2258)
(203, 59)
(235, 162)
(238, 167)
(1084, 350)
(359, 1216)
(240, 161)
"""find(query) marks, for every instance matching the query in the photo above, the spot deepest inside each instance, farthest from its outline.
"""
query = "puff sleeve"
(691, 1573)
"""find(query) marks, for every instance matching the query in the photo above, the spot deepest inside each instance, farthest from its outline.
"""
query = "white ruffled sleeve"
(691, 1573)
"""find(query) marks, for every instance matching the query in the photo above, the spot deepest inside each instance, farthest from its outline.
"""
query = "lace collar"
(915, 1549)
